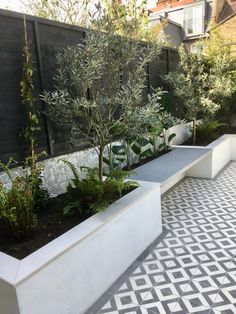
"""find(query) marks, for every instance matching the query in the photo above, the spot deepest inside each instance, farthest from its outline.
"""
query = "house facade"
(226, 25)
(186, 21)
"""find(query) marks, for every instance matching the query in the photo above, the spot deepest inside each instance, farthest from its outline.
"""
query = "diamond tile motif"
(193, 268)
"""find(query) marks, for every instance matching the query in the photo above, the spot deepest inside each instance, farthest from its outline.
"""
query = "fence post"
(42, 84)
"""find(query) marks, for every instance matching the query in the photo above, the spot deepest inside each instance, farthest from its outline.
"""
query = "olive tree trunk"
(100, 164)
(194, 131)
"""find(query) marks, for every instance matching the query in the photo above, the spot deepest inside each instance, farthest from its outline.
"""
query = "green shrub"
(208, 131)
(89, 194)
(18, 203)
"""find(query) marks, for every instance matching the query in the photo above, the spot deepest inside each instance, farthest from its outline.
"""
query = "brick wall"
(228, 30)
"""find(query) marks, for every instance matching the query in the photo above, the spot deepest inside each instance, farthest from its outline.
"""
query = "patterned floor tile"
(165, 296)
(200, 285)
(153, 308)
(191, 305)
(224, 309)
(193, 268)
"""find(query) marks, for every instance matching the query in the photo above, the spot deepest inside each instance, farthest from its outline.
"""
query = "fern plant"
(87, 194)
(209, 130)
(18, 203)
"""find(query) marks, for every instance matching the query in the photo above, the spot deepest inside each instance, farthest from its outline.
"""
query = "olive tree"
(197, 85)
(98, 84)
(222, 66)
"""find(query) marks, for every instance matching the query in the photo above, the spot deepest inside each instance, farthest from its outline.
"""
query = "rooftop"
(168, 4)
(228, 11)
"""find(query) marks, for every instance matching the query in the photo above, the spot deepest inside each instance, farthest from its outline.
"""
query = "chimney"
(217, 8)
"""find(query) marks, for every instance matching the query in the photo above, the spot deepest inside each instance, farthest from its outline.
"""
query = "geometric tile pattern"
(193, 268)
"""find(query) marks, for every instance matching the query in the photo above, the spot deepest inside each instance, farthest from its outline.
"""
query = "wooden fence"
(47, 38)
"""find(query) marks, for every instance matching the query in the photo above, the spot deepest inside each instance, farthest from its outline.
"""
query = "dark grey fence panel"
(176, 107)
(13, 117)
(54, 39)
(47, 38)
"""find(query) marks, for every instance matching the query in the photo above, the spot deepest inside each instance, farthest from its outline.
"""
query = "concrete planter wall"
(67, 275)
(223, 150)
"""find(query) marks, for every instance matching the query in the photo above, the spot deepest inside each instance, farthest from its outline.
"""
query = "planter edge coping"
(210, 146)
(14, 271)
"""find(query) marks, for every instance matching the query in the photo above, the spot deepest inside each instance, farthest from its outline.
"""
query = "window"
(194, 19)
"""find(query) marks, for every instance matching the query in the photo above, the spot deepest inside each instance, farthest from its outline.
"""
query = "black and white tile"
(193, 268)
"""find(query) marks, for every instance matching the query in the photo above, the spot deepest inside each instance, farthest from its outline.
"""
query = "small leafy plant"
(88, 194)
(18, 203)
(209, 130)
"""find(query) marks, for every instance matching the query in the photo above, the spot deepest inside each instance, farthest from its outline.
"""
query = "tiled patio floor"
(193, 268)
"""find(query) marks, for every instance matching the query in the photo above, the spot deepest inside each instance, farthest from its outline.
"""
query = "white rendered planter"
(67, 275)
(194, 161)
(223, 150)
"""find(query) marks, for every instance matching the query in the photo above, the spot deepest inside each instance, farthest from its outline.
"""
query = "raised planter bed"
(195, 161)
(223, 150)
(71, 272)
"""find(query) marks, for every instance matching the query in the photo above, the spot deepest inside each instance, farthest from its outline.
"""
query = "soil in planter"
(209, 140)
(147, 159)
(51, 224)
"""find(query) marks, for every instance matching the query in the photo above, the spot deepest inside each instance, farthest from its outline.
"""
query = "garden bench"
(173, 166)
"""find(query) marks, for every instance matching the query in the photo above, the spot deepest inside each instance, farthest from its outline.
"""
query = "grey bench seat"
(171, 167)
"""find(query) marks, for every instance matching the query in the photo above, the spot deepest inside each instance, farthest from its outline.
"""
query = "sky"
(16, 5)
(11, 4)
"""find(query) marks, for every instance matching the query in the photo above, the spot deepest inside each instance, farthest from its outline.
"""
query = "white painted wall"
(168, 184)
(233, 146)
(8, 271)
(223, 151)
(183, 133)
(8, 299)
(221, 154)
(70, 273)
(203, 169)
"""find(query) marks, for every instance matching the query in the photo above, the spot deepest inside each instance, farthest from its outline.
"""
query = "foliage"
(208, 130)
(74, 12)
(26, 194)
(155, 121)
(97, 86)
(167, 121)
(152, 121)
(27, 90)
(197, 85)
(131, 19)
(30, 132)
(18, 203)
(222, 64)
(89, 194)
(124, 152)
